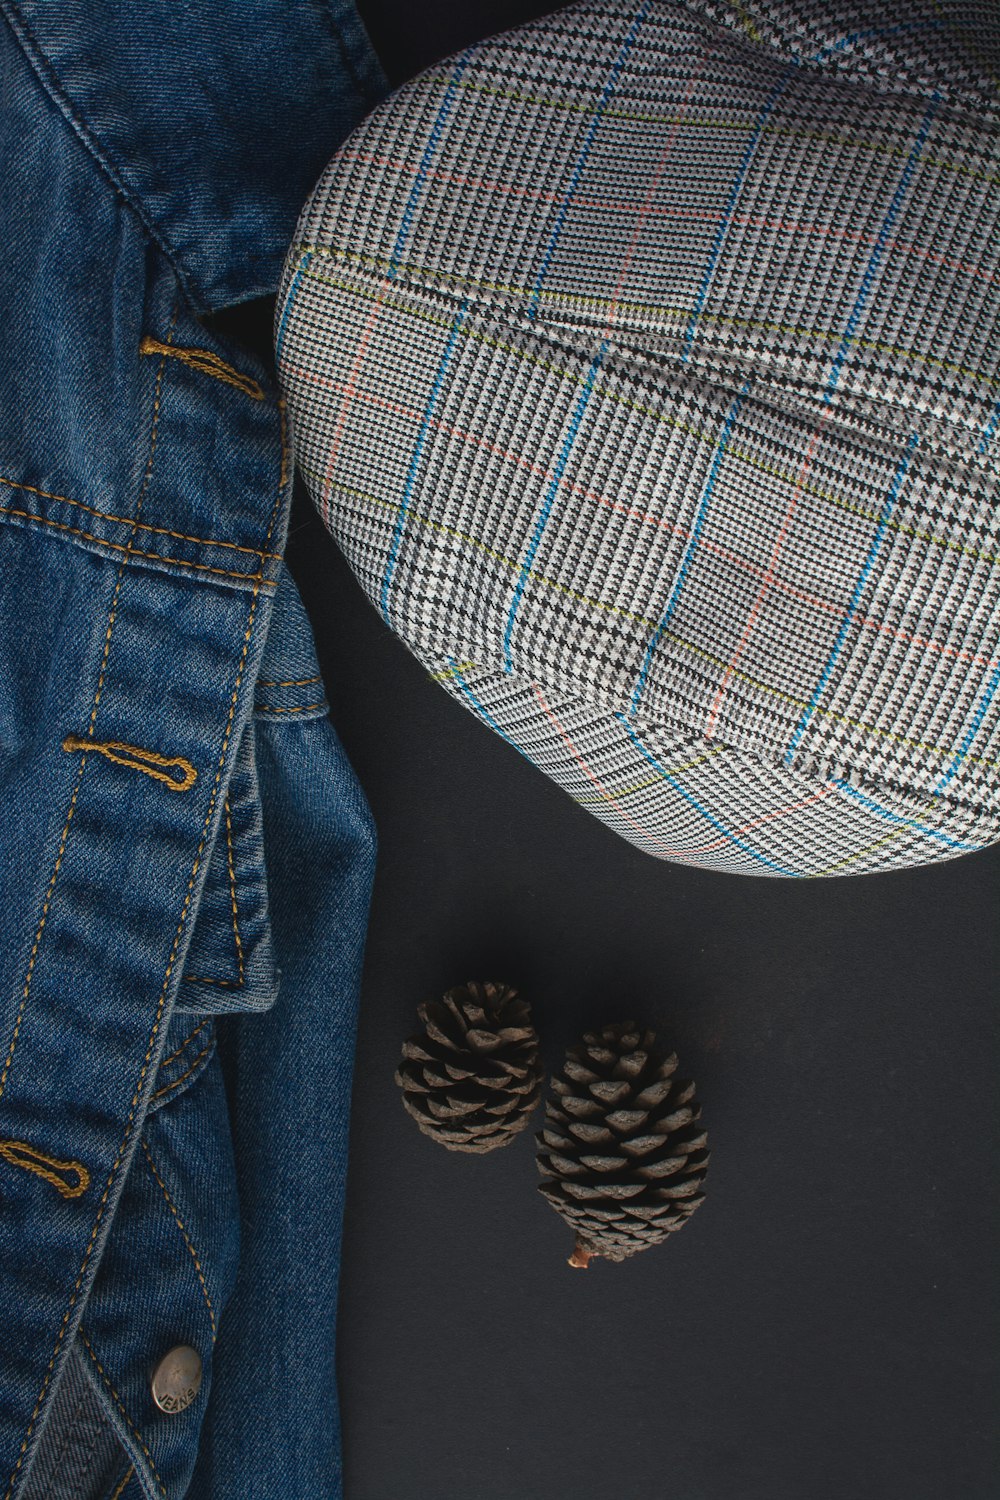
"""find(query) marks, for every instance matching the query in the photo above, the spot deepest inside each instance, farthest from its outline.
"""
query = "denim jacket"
(186, 854)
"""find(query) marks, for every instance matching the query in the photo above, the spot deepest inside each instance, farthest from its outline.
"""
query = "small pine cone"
(621, 1147)
(473, 1077)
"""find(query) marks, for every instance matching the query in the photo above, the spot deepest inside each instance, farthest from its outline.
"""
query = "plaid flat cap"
(643, 361)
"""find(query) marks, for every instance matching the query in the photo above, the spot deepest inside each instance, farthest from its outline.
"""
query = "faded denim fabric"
(186, 856)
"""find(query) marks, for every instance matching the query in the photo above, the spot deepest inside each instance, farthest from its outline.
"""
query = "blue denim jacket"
(186, 855)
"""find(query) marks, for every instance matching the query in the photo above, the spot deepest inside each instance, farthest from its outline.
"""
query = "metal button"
(177, 1379)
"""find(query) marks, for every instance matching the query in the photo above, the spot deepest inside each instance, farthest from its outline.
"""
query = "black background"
(827, 1325)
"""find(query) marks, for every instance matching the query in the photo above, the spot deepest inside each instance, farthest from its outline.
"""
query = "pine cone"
(473, 1078)
(621, 1145)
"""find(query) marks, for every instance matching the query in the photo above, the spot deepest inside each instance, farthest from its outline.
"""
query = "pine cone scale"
(627, 1119)
(664, 1168)
(631, 1066)
(591, 1135)
(567, 1164)
(484, 1041)
(583, 1107)
(610, 1090)
(578, 1072)
(654, 1094)
(418, 1053)
(640, 1145)
(442, 1038)
(604, 1190)
(604, 1163)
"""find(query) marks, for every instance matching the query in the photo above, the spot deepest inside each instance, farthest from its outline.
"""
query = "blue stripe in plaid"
(883, 812)
(883, 521)
(483, 713)
(880, 31)
(582, 161)
(557, 475)
(293, 292)
(973, 729)
(989, 430)
(874, 260)
(675, 592)
(397, 534)
(672, 780)
(723, 229)
(425, 161)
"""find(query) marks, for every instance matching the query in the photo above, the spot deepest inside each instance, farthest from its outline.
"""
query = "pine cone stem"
(581, 1258)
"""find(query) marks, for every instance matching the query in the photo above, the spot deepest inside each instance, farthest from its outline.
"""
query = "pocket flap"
(230, 965)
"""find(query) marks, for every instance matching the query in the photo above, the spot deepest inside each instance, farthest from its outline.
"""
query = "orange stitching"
(154, 433)
(20, 1154)
(207, 363)
(180, 1226)
(282, 482)
(267, 708)
(169, 1087)
(299, 682)
(41, 928)
(231, 984)
(104, 515)
(176, 562)
(137, 759)
(123, 1482)
(128, 1420)
(83, 763)
(232, 889)
(186, 1042)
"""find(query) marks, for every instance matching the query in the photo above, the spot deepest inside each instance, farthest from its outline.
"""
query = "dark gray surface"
(409, 37)
(826, 1327)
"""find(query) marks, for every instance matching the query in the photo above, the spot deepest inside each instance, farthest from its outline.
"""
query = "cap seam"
(912, 86)
(856, 776)
(622, 352)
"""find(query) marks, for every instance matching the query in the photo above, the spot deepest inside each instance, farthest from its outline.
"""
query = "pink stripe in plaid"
(685, 213)
(612, 801)
(689, 855)
(349, 391)
(655, 180)
(766, 582)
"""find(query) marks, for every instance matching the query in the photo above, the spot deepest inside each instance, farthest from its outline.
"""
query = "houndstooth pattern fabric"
(644, 363)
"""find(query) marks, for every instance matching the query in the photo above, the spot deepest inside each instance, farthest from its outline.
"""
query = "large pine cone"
(473, 1077)
(621, 1145)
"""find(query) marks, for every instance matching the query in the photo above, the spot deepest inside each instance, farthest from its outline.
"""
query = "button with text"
(177, 1379)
